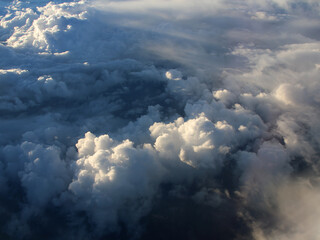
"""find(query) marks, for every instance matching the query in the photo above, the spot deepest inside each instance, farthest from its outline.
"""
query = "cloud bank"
(159, 119)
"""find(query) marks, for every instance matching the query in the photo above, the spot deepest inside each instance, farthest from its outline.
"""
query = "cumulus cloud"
(114, 181)
(120, 119)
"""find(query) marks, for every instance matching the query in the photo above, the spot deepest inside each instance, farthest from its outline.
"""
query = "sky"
(168, 119)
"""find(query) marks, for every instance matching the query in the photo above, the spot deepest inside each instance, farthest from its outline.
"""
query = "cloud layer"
(159, 119)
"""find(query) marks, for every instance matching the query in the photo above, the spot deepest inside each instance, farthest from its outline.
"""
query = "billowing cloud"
(159, 119)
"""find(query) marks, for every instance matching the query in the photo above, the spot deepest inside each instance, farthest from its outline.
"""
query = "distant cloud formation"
(160, 119)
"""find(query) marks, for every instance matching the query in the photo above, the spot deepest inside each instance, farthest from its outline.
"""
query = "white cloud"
(112, 111)
(111, 178)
